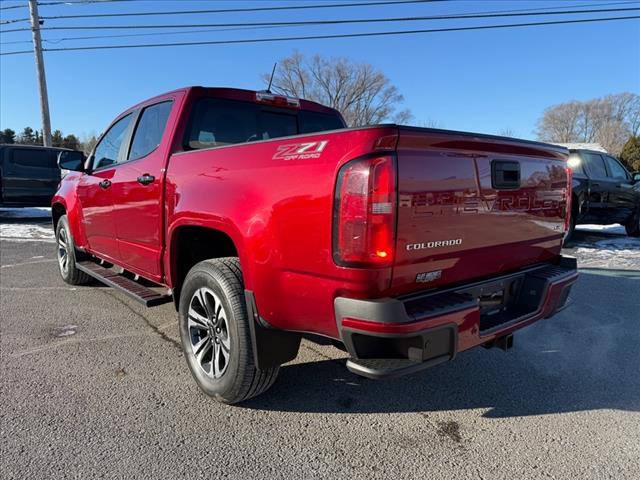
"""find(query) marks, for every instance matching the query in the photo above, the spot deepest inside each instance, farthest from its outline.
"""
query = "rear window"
(216, 123)
(34, 158)
(616, 170)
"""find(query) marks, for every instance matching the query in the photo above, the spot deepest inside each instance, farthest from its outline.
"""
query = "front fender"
(65, 201)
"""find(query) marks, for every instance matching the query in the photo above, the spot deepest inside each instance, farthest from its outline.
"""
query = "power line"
(324, 37)
(49, 4)
(235, 10)
(79, 2)
(12, 7)
(93, 37)
(339, 22)
(253, 9)
(153, 34)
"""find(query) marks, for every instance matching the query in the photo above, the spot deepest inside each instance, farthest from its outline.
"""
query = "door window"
(595, 165)
(615, 169)
(33, 158)
(108, 150)
(148, 134)
(574, 162)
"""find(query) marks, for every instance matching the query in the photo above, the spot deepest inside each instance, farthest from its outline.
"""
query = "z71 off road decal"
(300, 151)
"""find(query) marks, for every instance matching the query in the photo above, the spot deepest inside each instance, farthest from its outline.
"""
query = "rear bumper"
(390, 337)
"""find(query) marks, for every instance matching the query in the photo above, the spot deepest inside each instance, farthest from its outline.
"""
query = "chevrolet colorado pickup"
(264, 219)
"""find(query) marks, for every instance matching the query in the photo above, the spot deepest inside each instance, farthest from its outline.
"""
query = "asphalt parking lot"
(94, 385)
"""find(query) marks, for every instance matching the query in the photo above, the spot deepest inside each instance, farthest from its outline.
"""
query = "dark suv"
(29, 175)
(604, 192)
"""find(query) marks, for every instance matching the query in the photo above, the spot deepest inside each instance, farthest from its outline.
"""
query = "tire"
(217, 346)
(67, 255)
(633, 227)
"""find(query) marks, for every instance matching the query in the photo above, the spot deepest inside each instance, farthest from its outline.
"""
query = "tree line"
(613, 121)
(29, 136)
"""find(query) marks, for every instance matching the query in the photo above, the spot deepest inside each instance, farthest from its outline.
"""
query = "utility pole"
(42, 81)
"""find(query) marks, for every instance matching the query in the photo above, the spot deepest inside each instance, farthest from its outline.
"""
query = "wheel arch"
(192, 243)
(57, 211)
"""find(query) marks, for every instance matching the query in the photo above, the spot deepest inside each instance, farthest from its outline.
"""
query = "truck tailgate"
(470, 206)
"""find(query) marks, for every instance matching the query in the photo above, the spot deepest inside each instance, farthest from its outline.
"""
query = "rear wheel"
(633, 227)
(67, 255)
(215, 336)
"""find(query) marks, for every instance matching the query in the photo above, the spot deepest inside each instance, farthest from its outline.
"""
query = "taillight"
(364, 220)
(567, 213)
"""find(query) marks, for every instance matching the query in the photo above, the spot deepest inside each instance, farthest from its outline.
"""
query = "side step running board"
(133, 289)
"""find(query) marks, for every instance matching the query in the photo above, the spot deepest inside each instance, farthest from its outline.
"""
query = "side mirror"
(71, 160)
(636, 176)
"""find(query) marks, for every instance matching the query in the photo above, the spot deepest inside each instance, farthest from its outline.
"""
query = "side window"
(149, 131)
(615, 169)
(595, 165)
(108, 150)
(575, 163)
(33, 158)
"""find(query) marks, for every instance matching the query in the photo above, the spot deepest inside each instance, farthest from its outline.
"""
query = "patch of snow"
(617, 259)
(583, 146)
(32, 212)
(614, 228)
(605, 246)
(22, 231)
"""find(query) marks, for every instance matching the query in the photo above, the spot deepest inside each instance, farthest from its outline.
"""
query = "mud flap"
(271, 347)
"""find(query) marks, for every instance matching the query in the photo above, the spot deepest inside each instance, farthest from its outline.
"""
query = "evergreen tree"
(71, 141)
(27, 136)
(56, 138)
(631, 153)
(7, 136)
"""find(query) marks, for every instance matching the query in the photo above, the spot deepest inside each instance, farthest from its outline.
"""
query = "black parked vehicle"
(29, 175)
(604, 192)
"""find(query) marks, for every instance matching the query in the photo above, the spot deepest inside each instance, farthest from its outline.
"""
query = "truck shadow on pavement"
(585, 358)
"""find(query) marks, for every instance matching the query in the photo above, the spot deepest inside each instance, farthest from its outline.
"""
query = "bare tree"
(88, 142)
(361, 93)
(609, 121)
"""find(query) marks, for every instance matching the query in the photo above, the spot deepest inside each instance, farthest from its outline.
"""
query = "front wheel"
(67, 255)
(215, 335)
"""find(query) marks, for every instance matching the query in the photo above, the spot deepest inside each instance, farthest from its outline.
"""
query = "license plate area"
(505, 300)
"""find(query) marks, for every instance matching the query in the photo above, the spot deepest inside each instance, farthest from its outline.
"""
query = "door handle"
(146, 179)
(104, 184)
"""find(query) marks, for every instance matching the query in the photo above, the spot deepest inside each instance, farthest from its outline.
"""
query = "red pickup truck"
(264, 219)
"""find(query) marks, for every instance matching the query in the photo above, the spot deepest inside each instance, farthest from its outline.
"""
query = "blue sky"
(484, 81)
